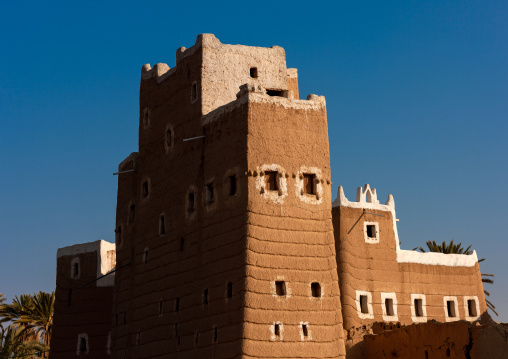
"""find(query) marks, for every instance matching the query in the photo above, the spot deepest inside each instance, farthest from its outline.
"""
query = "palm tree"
(13, 344)
(34, 313)
(458, 249)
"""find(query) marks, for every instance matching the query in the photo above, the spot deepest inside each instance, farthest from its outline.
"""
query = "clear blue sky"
(417, 96)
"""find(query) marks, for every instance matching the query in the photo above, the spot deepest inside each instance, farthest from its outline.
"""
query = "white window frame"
(273, 337)
(446, 299)
(466, 308)
(370, 314)
(416, 319)
(303, 338)
(78, 348)
(366, 237)
(393, 297)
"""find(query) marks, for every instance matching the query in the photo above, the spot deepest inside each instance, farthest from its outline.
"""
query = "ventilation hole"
(177, 305)
(182, 244)
(229, 290)
(278, 93)
(305, 330)
(162, 225)
(205, 297)
(280, 288)
(276, 330)
(194, 91)
(316, 289)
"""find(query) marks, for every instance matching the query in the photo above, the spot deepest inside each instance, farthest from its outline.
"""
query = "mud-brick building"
(227, 243)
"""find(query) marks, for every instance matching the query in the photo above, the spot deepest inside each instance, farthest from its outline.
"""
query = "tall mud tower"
(225, 245)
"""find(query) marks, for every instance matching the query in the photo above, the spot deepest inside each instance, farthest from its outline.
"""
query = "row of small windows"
(281, 291)
(418, 306)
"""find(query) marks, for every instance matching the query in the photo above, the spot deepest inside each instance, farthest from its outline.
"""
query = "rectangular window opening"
(276, 330)
(271, 180)
(190, 208)
(278, 93)
(132, 213)
(254, 72)
(305, 330)
(76, 269)
(316, 290)
(177, 305)
(205, 297)
(145, 256)
(389, 307)
(364, 304)
(162, 226)
(229, 290)
(182, 244)
(418, 303)
(145, 189)
(169, 138)
(209, 193)
(215, 334)
(309, 183)
(371, 231)
(471, 308)
(196, 339)
(194, 91)
(83, 348)
(450, 308)
(160, 307)
(232, 185)
(280, 288)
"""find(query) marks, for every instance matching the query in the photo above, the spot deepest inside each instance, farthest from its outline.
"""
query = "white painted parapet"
(366, 198)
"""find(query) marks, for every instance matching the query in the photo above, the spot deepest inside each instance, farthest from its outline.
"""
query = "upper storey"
(222, 69)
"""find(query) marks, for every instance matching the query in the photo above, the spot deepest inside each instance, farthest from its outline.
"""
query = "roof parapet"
(366, 197)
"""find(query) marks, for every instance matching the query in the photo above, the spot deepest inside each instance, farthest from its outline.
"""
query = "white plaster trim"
(455, 307)
(393, 297)
(309, 334)
(273, 337)
(366, 237)
(403, 256)
(466, 308)
(437, 259)
(73, 262)
(78, 348)
(416, 319)
(370, 314)
(308, 198)
(281, 183)
(103, 264)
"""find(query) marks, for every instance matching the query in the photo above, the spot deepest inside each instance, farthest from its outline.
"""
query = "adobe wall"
(290, 234)
(379, 269)
(201, 250)
(83, 304)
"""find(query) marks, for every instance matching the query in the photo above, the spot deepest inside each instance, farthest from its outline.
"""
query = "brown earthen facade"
(227, 241)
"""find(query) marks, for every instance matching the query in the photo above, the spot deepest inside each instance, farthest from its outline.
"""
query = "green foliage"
(14, 343)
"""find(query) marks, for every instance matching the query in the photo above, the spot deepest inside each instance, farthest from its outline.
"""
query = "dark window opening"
(190, 207)
(229, 290)
(205, 297)
(316, 289)
(196, 339)
(276, 330)
(182, 244)
(364, 304)
(278, 93)
(169, 138)
(132, 213)
(145, 256)
(162, 226)
(76, 270)
(138, 338)
(194, 91)
(232, 185)
(389, 306)
(215, 334)
(83, 347)
(309, 181)
(145, 189)
(450, 308)
(471, 308)
(271, 180)
(209, 193)
(147, 119)
(371, 231)
(254, 72)
(280, 288)
(178, 340)
(305, 330)
(160, 307)
(177, 305)
(418, 303)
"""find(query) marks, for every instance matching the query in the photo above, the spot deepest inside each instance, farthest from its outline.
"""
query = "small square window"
(232, 185)
(209, 193)
(309, 183)
(254, 72)
(271, 180)
(316, 290)
(371, 231)
(280, 288)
